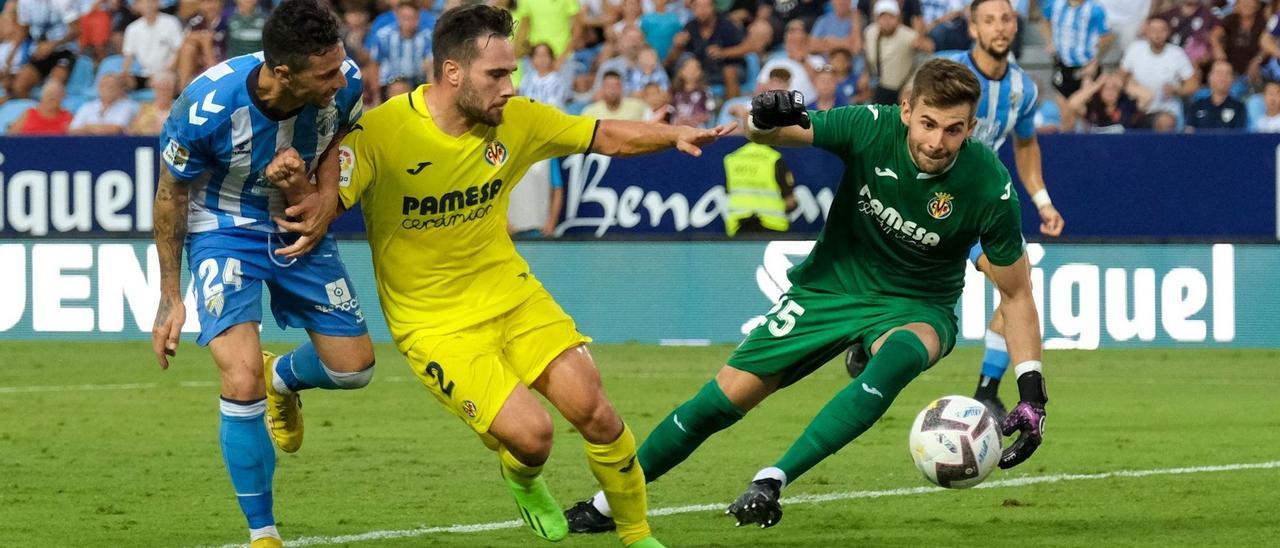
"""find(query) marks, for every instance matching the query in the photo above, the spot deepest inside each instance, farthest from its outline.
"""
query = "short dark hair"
(611, 74)
(943, 83)
(297, 30)
(973, 7)
(454, 37)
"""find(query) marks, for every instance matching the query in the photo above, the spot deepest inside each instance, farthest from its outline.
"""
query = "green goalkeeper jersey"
(895, 231)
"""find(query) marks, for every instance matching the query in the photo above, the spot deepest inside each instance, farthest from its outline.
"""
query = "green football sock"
(855, 408)
(675, 438)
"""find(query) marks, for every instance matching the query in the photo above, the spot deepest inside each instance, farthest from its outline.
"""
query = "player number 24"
(784, 316)
(230, 275)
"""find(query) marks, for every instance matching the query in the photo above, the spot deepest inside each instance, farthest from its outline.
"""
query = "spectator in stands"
(660, 109)
(356, 20)
(779, 13)
(402, 51)
(716, 42)
(737, 108)
(629, 17)
(909, 13)
(854, 84)
(1077, 37)
(1191, 25)
(828, 96)
(691, 96)
(545, 22)
(1270, 121)
(95, 29)
(151, 116)
(152, 41)
(795, 57)
(109, 114)
(592, 20)
(1162, 68)
(1125, 19)
(205, 44)
(613, 105)
(1237, 40)
(244, 28)
(1219, 110)
(623, 56)
(53, 27)
(544, 83)
(647, 71)
(13, 50)
(47, 117)
(661, 25)
(1111, 103)
(890, 50)
(946, 23)
(837, 29)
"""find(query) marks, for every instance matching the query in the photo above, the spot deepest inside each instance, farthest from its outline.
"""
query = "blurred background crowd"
(103, 67)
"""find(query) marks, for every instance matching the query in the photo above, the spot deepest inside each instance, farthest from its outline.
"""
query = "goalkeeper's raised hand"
(778, 108)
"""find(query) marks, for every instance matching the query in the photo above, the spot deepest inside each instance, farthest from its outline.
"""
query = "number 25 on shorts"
(784, 316)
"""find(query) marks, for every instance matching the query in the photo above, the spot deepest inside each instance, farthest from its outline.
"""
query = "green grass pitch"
(98, 447)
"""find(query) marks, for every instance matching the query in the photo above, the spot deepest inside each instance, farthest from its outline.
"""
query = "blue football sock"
(249, 457)
(996, 359)
(302, 369)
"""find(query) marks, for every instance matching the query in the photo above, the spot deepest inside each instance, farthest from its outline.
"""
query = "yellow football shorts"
(473, 371)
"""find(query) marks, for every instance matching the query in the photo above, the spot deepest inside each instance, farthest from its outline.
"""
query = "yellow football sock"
(618, 471)
(515, 470)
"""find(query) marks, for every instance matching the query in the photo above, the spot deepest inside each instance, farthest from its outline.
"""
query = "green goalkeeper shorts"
(807, 328)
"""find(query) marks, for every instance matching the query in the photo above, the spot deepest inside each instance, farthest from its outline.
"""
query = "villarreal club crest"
(940, 206)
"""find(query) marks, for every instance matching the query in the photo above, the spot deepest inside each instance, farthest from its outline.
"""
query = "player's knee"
(243, 384)
(355, 379)
(532, 444)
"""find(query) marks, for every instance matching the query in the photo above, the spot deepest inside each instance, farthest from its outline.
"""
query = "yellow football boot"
(284, 413)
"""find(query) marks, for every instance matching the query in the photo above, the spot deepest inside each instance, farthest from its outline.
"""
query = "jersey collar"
(251, 85)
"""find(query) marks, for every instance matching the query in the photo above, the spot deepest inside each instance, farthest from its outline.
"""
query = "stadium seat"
(81, 80)
(72, 103)
(1256, 110)
(753, 72)
(12, 109)
(143, 95)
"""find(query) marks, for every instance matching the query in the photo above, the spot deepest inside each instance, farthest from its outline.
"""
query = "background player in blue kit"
(300, 92)
(1007, 106)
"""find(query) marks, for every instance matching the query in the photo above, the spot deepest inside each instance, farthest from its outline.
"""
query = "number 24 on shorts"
(784, 316)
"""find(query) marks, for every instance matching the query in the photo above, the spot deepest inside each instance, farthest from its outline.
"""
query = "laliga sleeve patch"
(346, 164)
(176, 155)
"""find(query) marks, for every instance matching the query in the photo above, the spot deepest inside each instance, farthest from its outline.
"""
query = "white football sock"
(601, 504)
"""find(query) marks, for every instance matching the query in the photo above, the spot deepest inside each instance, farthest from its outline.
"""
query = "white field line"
(801, 499)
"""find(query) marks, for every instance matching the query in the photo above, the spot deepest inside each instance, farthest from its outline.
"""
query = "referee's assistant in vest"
(761, 191)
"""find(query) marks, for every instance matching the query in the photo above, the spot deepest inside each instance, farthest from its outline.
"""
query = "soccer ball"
(955, 442)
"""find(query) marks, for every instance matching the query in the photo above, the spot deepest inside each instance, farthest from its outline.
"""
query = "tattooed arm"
(170, 228)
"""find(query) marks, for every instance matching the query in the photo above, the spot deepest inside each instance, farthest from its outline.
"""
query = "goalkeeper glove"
(778, 108)
(1027, 417)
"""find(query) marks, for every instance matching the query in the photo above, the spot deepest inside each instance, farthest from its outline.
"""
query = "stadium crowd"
(103, 67)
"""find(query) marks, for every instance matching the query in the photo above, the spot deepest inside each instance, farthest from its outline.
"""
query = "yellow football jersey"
(435, 208)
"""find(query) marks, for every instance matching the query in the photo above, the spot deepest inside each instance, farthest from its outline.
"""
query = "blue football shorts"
(230, 265)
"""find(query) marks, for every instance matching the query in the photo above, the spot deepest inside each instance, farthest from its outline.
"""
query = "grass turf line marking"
(801, 499)
(74, 388)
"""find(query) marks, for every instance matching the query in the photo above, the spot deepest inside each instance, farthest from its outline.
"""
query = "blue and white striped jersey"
(49, 20)
(1076, 30)
(400, 57)
(218, 127)
(1008, 105)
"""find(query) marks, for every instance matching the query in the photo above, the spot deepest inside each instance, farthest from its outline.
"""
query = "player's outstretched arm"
(314, 206)
(778, 117)
(1022, 333)
(170, 230)
(1026, 155)
(627, 138)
